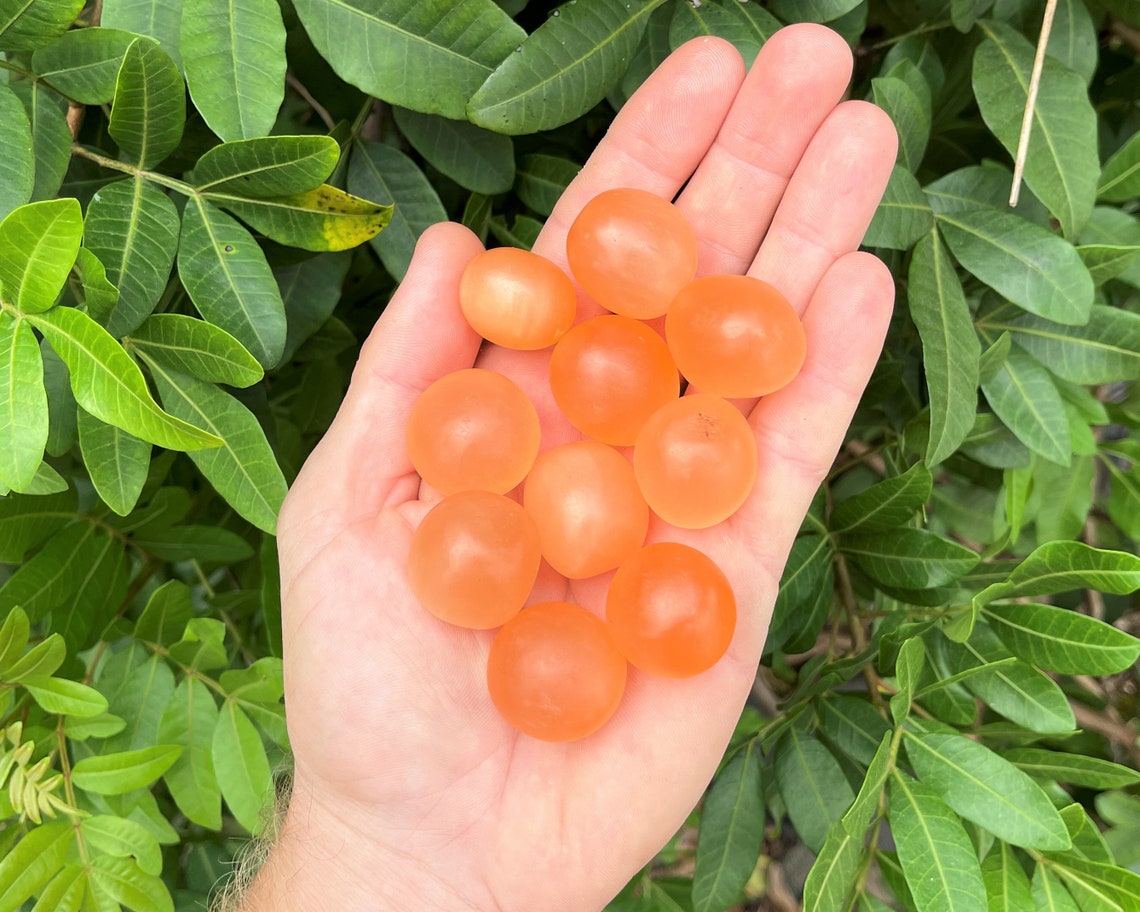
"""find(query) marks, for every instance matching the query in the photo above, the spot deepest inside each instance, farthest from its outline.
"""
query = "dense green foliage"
(949, 660)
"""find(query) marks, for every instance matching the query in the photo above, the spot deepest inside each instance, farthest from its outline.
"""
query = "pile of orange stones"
(556, 671)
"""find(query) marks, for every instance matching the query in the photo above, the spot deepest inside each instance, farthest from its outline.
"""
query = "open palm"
(407, 783)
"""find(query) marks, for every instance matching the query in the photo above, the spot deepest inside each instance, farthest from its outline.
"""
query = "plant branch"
(1116, 732)
(113, 164)
(1031, 102)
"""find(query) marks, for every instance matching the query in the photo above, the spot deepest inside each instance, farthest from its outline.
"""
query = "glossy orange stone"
(695, 461)
(585, 501)
(735, 336)
(473, 430)
(517, 299)
(632, 251)
(671, 610)
(609, 374)
(474, 559)
(554, 673)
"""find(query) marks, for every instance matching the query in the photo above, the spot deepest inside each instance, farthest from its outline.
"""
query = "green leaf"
(1073, 38)
(243, 470)
(109, 384)
(1017, 690)
(563, 68)
(124, 881)
(208, 544)
(937, 858)
(133, 227)
(812, 785)
(990, 791)
(269, 166)
(866, 804)
(38, 245)
(157, 19)
(261, 682)
(149, 110)
(1061, 640)
(14, 634)
(903, 216)
(1062, 515)
(195, 347)
(455, 45)
(852, 725)
(23, 403)
(832, 876)
(522, 232)
(908, 668)
(1062, 165)
(1007, 887)
(189, 721)
(746, 25)
(234, 56)
(17, 153)
(477, 159)
(165, 615)
(101, 590)
(99, 295)
(202, 646)
(242, 767)
(1120, 179)
(122, 772)
(1076, 769)
(1023, 396)
(1105, 881)
(1026, 263)
(910, 558)
(121, 837)
(51, 137)
(1106, 262)
(382, 173)
(226, 275)
(138, 688)
(885, 505)
(985, 185)
(64, 893)
(542, 179)
(27, 868)
(116, 461)
(950, 346)
(48, 578)
(910, 115)
(1113, 227)
(65, 697)
(731, 834)
(103, 725)
(1049, 895)
(1104, 350)
(805, 593)
(1060, 566)
(812, 10)
(28, 24)
(84, 63)
(320, 220)
(311, 290)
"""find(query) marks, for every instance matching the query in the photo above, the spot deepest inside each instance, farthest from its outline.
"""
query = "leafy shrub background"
(965, 570)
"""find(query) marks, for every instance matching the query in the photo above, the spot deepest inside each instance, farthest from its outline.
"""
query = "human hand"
(410, 792)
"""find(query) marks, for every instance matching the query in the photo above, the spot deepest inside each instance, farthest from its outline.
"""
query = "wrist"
(324, 858)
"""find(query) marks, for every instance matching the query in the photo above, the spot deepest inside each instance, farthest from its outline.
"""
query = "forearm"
(313, 861)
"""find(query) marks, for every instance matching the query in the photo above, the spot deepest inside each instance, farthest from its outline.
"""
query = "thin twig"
(1031, 102)
(297, 86)
(1117, 732)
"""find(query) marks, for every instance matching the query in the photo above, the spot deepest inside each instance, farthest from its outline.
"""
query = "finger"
(797, 79)
(659, 136)
(800, 428)
(362, 464)
(829, 201)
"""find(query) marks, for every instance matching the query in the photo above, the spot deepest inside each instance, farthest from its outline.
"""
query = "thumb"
(361, 465)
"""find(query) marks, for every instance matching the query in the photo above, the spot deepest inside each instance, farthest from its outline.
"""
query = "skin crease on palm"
(410, 792)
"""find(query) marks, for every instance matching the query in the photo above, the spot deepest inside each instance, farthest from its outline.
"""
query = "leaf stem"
(921, 30)
(1031, 102)
(134, 170)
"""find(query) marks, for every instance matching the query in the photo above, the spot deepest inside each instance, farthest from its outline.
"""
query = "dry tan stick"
(1031, 102)
(1117, 732)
